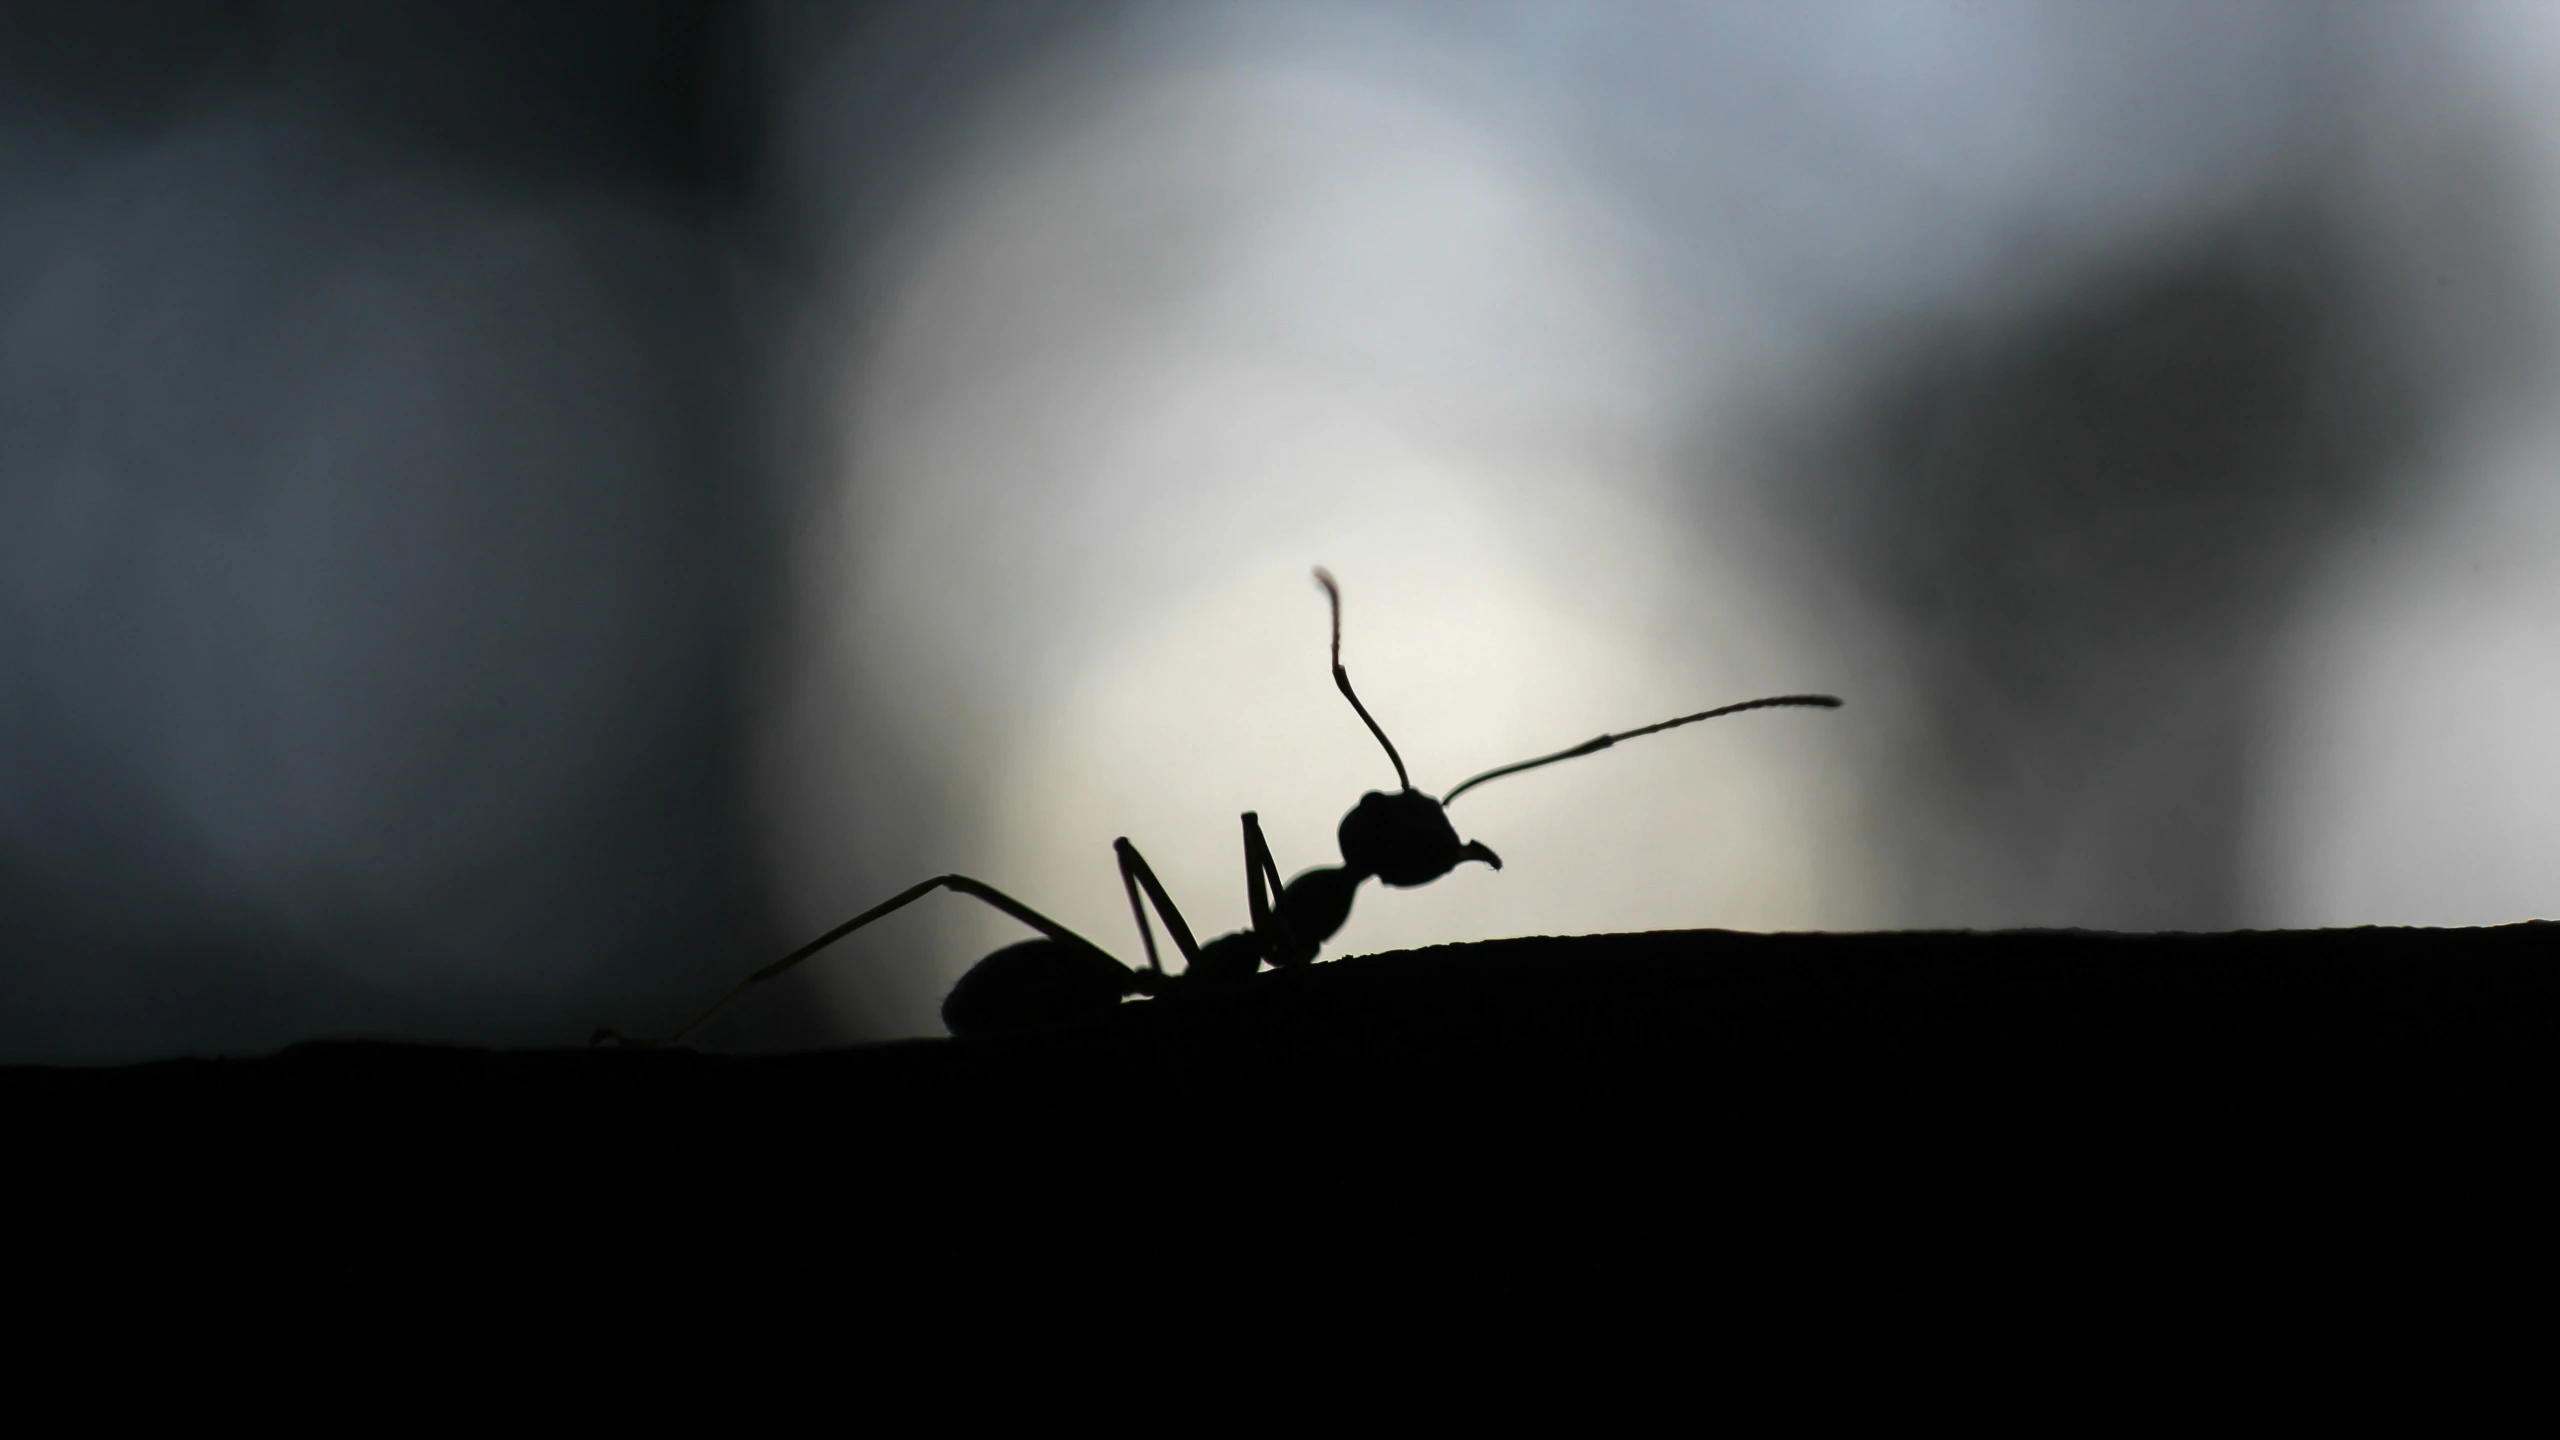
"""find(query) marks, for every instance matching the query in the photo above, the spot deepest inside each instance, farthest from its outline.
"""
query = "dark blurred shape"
(381, 546)
(2084, 523)
(876, 97)
(582, 91)
(133, 64)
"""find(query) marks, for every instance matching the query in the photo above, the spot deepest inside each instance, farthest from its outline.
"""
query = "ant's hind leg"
(961, 884)
(1134, 874)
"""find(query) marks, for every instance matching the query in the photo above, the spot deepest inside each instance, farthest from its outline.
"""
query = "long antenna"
(1588, 747)
(1342, 679)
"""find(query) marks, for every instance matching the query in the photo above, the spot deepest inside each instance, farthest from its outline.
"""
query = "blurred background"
(511, 514)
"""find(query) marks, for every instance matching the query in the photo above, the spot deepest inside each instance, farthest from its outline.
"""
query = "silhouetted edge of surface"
(1658, 1177)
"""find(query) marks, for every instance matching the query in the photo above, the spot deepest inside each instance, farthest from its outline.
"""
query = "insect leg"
(1261, 876)
(1134, 872)
(1138, 907)
(960, 883)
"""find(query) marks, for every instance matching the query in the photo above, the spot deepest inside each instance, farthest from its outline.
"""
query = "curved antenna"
(1588, 747)
(1342, 678)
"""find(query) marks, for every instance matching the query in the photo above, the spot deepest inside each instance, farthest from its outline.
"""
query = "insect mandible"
(1404, 839)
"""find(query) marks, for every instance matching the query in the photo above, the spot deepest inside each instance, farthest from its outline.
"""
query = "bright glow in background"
(1473, 308)
(1234, 313)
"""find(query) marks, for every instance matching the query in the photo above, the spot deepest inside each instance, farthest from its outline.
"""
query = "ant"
(1404, 840)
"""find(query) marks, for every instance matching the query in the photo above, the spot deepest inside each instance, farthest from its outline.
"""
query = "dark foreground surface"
(1648, 1178)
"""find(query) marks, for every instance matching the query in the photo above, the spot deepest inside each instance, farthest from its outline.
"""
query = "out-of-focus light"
(1206, 330)
(2414, 778)
(2411, 775)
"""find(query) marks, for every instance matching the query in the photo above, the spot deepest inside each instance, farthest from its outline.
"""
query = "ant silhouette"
(1404, 840)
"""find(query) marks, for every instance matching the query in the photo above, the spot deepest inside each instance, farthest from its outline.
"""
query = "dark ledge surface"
(1654, 1178)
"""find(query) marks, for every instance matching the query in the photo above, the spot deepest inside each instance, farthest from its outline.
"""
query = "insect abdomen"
(1035, 984)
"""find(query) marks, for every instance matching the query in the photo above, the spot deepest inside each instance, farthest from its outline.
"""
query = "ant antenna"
(1342, 679)
(1588, 747)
